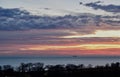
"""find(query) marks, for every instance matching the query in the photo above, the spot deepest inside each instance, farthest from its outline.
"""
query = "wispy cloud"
(43, 42)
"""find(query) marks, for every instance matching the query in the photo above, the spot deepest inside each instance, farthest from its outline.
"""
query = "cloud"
(12, 12)
(109, 8)
(49, 42)
(16, 19)
(20, 29)
(47, 8)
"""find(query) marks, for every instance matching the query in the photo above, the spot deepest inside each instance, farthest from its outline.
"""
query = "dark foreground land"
(69, 70)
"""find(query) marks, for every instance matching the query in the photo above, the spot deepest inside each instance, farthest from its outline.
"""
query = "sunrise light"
(98, 33)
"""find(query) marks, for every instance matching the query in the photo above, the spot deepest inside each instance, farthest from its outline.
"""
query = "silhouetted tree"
(107, 66)
(8, 68)
(71, 67)
(22, 67)
(38, 67)
(69, 70)
(0, 68)
(81, 66)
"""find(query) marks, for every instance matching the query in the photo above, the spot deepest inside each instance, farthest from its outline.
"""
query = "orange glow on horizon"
(63, 42)
(83, 49)
(72, 47)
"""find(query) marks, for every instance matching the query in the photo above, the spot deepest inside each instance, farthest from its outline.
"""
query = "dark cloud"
(47, 8)
(109, 8)
(16, 19)
(12, 12)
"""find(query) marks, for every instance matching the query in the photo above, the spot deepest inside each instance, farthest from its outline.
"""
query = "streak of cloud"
(109, 8)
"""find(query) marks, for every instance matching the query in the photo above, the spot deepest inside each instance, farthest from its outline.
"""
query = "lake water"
(15, 61)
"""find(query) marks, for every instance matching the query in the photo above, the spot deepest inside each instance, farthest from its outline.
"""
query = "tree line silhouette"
(69, 70)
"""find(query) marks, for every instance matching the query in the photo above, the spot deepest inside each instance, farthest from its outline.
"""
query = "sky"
(61, 7)
(50, 3)
(59, 27)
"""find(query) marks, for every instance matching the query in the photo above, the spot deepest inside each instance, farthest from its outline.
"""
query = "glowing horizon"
(59, 27)
(98, 33)
(74, 47)
(63, 42)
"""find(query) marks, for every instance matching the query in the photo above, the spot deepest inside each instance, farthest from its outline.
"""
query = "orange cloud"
(71, 47)
(52, 42)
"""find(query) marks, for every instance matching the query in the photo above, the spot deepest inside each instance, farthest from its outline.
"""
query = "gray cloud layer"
(109, 8)
(16, 19)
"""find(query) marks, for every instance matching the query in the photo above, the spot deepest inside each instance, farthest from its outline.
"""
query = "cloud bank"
(16, 19)
(109, 8)
(12, 12)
